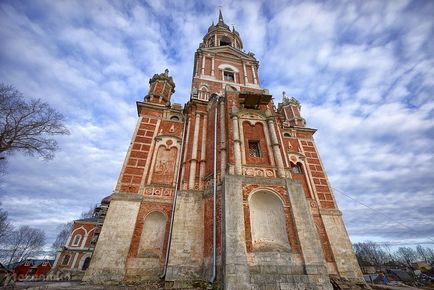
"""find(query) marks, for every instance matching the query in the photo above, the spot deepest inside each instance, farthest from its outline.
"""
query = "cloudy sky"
(363, 71)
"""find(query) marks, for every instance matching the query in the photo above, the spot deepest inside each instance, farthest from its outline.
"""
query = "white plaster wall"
(340, 243)
(109, 259)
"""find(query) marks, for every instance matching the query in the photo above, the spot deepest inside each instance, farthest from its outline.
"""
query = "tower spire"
(220, 16)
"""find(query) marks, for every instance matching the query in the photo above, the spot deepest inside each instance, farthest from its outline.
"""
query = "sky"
(362, 70)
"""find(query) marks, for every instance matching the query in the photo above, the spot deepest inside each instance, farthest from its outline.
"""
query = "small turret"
(161, 88)
(290, 111)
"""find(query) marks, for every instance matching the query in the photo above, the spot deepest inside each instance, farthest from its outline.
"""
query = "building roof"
(87, 220)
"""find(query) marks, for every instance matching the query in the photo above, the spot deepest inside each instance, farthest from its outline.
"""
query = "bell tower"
(220, 64)
(228, 189)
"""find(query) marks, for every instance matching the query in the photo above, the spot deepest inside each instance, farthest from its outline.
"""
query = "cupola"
(220, 34)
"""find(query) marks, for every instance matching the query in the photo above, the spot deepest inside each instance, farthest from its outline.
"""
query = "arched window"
(297, 168)
(203, 94)
(86, 263)
(211, 42)
(228, 75)
(76, 241)
(66, 260)
(154, 229)
(174, 118)
(225, 41)
(268, 223)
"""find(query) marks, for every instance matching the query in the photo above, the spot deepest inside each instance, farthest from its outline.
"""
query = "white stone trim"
(224, 66)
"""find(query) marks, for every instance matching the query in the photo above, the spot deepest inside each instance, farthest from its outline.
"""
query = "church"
(228, 189)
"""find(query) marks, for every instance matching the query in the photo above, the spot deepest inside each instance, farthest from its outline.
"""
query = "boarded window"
(151, 241)
(268, 222)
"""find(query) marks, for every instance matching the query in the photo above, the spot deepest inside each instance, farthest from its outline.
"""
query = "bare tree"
(62, 236)
(23, 243)
(406, 256)
(89, 212)
(370, 254)
(422, 253)
(27, 125)
(65, 229)
(5, 226)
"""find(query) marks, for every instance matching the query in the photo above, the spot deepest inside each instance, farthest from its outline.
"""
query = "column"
(222, 139)
(255, 81)
(193, 160)
(212, 66)
(237, 142)
(202, 153)
(276, 148)
(185, 146)
(203, 65)
(245, 73)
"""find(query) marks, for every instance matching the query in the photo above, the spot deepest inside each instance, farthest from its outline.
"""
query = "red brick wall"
(320, 181)
(208, 227)
(133, 173)
(255, 133)
(325, 243)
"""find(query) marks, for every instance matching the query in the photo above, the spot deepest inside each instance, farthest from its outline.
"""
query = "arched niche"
(152, 238)
(165, 164)
(268, 222)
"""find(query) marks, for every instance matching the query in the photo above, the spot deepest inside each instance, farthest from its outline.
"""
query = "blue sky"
(363, 71)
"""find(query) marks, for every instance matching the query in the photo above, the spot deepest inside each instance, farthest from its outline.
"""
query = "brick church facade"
(227, 189)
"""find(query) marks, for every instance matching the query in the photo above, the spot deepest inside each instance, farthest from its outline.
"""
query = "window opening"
(297, 168)
(229, 76)
(65, 260)
(86, 264)
(254, 149)
(225, 41)
(76, 240)
(174, 118)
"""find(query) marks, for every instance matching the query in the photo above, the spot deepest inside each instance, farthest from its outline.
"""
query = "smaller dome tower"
(161, 88)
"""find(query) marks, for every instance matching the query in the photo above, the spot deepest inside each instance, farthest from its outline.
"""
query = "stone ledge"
(127, 196)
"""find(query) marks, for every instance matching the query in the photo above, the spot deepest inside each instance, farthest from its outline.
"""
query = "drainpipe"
(214, 203)
(175, 194)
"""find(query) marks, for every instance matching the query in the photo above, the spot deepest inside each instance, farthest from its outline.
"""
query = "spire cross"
(220, 14)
